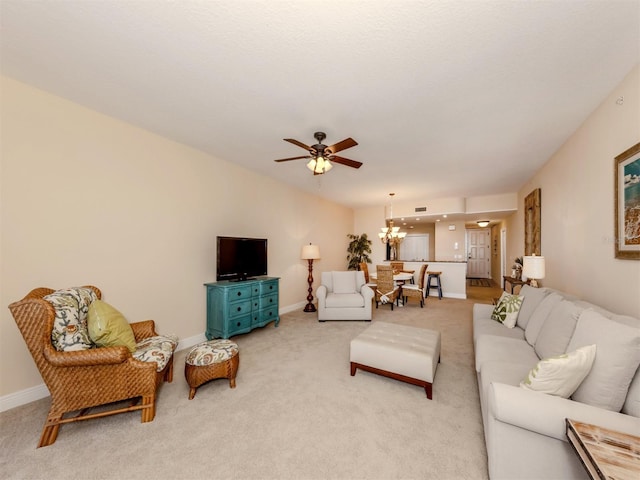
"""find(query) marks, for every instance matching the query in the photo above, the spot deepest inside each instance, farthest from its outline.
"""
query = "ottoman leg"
(353, 369)
(232, 369)
(428, 388)
(192, 392)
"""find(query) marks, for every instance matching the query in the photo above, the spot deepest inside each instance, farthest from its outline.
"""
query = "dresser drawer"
(268, 314)
(239, 293)
(237, 309)
(269, 301)
(269, 287)
(239, 325)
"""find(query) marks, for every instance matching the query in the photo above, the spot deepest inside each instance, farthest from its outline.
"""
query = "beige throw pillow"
(561, 375)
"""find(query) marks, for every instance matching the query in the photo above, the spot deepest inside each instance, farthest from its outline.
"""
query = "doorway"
(478, 253)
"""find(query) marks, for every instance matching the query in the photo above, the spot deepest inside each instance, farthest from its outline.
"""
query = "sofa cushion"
(616, 361)
(486, 326)
(70, 324)
(632, 402)
(344, 282)
(557, 330)
(108, 327)
(532, 298)
(507, 309)
(561, 375)
(539, 315)
(342, 300)
(490, 348)
(157, 349)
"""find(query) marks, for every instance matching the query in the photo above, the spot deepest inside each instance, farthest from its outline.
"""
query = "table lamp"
(310, 253)
(533, 268)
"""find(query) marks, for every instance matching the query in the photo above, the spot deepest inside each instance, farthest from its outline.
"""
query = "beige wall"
(578, 207)
(87, 199)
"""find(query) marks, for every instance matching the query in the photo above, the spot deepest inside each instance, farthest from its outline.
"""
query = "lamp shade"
(533, 267)
(310, 252)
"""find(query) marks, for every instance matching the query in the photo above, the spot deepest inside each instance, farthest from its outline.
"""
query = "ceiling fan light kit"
(320, 156)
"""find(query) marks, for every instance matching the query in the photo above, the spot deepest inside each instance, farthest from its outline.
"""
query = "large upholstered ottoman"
(405, 353)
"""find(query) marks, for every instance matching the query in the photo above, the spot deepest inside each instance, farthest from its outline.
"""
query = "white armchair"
(344, 296)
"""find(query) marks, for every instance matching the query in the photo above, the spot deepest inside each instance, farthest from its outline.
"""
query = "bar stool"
(438, 285)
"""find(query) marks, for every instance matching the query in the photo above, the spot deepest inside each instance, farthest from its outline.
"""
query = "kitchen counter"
(453, 277)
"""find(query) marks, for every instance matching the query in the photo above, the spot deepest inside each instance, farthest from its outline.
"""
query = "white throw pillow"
(561, 375)
(507, 309)
(344, 282)
(618, 358)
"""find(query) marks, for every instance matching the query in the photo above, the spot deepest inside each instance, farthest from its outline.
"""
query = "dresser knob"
(239, 309)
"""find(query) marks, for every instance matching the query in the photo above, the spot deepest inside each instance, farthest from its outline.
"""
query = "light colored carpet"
(296, 414)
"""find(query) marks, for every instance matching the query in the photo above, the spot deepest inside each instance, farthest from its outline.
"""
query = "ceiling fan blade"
(292, 158)
(345, 161)
(343, 145)
(296, 142)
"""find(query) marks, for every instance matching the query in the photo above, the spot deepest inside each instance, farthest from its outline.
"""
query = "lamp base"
(533, 282)
(309, 308)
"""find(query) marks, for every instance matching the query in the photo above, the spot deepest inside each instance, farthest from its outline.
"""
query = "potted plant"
(358, 250)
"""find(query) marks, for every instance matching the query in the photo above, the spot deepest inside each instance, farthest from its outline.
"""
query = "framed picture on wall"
(627, 203)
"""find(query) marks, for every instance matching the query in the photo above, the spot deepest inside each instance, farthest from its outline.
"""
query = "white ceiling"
(445, 98)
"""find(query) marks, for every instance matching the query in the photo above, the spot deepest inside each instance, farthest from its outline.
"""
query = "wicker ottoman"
(209, 360)
(401, 352)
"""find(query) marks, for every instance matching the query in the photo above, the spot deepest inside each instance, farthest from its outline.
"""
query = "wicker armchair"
(387, 291)
(416, 291)
(78, 380)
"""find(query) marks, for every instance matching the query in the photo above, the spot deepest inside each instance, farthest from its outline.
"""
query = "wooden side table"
(514, 282)
(605, 454)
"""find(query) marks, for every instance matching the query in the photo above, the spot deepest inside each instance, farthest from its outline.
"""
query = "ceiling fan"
(321, 156)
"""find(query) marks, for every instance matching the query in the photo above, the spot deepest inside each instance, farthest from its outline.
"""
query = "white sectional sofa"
(525, 430)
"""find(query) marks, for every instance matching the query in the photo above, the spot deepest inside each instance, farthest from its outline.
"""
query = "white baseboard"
(31, 394)
(28, 395)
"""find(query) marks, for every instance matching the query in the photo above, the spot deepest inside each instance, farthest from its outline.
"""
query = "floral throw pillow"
(507, 309)
(70, 330)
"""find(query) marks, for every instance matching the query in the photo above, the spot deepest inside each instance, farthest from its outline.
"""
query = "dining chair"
(416, 291)
(365, 268)
(387, 291)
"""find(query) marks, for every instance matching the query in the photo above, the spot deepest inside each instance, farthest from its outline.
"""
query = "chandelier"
(391, 235)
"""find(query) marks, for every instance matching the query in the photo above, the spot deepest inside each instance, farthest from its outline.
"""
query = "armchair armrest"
(85, 358)
(144, 329)
(545, 414)
(321, 295)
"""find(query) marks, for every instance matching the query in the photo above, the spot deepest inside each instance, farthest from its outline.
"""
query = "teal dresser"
(239, 307)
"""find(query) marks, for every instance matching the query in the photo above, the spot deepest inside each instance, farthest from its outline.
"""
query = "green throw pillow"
(108, 327)
(507, 309)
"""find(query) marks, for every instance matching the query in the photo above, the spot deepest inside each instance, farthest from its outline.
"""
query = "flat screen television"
(240, 259)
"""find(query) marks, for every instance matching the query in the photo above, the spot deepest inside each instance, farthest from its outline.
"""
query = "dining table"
(399, 278)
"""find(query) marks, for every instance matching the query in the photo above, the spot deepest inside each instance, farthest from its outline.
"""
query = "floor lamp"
(310, 253)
